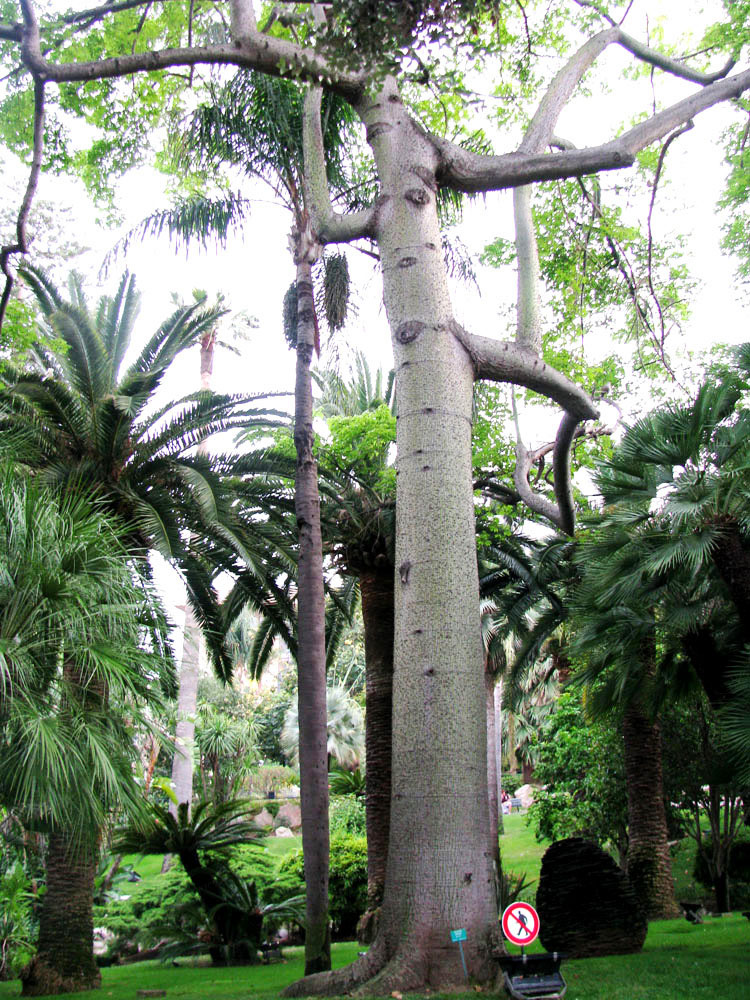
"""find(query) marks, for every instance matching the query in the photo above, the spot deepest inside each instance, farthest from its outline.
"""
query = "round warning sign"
(520, 923)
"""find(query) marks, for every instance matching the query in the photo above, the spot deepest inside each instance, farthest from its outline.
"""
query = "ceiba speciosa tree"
(439, 873)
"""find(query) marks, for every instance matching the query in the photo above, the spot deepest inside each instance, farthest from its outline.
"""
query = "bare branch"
(329, 226)
(473, 172)
(274, 56)
(242, 21)
(561, 471)
(11, 32)
(21, 244)
(500, 361)
(654, 188)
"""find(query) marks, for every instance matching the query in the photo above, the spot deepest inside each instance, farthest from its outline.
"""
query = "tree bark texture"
(65, 962)
(376, 588)
(648, 860)
(439, 874)
(311, 660)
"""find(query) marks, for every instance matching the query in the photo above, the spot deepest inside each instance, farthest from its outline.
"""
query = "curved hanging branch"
(21, 244)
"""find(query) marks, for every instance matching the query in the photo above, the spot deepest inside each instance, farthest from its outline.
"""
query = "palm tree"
(258, 125)
(78, 420)
(668, 578)
(73, 676)
(346, 736)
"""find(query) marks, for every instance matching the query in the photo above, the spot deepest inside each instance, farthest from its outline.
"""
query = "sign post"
(520, 923)
(460, 936)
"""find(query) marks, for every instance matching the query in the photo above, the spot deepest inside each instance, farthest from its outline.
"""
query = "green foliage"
(347, 783)
(345, 727)
(581, 769)
(272, 777)
(511, 782)
(151, 906)
(347, 881)
(360, 444)
(268, 719)
(347, 815)
(336, 290)
(67, 754)
(738, 868)
(16, 921)
(84, 418)
(512, 888)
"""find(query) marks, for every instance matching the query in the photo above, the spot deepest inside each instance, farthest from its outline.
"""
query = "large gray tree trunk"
(311, 658)
(440, 873)
(493, 794)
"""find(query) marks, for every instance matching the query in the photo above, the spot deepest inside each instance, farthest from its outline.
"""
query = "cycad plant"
(202, 839)
(80, 418)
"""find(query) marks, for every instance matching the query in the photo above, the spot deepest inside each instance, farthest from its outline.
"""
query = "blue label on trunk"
(459, 935)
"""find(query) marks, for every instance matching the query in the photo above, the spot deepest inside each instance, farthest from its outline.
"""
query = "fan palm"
(80, 418)
(72, 666)
(346, 734)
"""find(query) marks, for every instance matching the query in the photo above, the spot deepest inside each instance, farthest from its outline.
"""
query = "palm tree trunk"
(187, 694)
(187, 703)
(492, 778)
(376, 588)
(497, 697)
(648, 860)
(311, 657)
(65, 962)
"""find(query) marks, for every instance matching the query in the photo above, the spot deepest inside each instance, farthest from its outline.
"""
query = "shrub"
(511, 783)
(347, 816)
(168, 906)
(347, 882)
(140, 918)
(17, 931)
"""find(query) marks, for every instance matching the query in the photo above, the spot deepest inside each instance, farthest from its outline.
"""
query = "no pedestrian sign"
(520, 923)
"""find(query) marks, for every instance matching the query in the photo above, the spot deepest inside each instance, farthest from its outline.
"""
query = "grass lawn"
(520, 851)
(680, 962)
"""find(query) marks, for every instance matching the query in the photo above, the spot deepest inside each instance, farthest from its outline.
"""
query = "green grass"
(519, 849)
(680, 962)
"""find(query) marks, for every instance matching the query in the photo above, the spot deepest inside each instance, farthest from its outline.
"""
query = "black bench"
(694, 912)
(535, 976)
(270, 951)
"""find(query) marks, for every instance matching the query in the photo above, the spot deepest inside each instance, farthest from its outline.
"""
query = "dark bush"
(739, 862)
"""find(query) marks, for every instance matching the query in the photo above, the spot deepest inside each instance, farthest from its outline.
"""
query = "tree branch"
(21, 244)
(500, 361)
(253, 50)
(329, 226)
(473, 172)
(566, 435)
